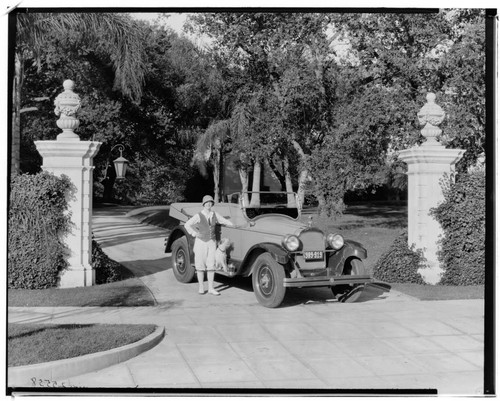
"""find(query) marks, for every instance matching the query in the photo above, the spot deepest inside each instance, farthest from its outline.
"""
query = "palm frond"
(209, 144)
(241, 119)
(115, 34)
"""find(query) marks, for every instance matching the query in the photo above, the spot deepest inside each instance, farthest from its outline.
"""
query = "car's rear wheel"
(350, 292)
(181, 261)
(267, 281)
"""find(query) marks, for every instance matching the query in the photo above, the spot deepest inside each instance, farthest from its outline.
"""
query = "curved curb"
(21, 376)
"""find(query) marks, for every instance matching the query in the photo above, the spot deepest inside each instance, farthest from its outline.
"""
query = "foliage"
(463, 92)
(393, 60)
(37, 224)
(106, 269)
(153, 183)
(113, 41)
(348, 85)
(178, 97)
(400, 263)
(281, 86)
(462, 217)
(295, 88)
(113, 36)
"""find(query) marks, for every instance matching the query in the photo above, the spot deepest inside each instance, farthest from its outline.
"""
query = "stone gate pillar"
(72, 157)
(427, 165)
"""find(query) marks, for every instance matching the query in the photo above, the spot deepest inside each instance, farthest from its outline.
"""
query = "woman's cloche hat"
(207, 198)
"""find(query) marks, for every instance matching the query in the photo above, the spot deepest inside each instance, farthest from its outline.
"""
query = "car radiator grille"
(312, 242)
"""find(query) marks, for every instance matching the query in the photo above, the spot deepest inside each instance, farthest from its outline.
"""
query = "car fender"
(177, 233)
(349, 250)
(277, 252)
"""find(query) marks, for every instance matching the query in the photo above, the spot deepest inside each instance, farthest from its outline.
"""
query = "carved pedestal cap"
(431, 115)
(67, 105)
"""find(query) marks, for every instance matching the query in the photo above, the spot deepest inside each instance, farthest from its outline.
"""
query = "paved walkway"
(388, 341)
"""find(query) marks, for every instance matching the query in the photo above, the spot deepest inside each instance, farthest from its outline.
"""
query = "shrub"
(160, 184)
(106, 269)
(462, 217)
(37, 223)
(400, 263)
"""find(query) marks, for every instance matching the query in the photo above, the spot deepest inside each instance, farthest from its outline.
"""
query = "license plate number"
(313, 255)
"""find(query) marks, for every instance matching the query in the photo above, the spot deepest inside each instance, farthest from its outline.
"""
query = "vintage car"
(271, 244)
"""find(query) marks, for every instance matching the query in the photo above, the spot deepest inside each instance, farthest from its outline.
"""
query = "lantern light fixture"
(120, 163)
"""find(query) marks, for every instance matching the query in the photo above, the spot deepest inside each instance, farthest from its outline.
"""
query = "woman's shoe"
(214, 292)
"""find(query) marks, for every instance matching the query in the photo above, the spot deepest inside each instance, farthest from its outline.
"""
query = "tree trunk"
(216, 169)
(291, 201)
(222, 193)
(108, 183)
(277, 174)
(244, 184)
(16, 116)
(301, 191)
(304, 174)
(257, 169)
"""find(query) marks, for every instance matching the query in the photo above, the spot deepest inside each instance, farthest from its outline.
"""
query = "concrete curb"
(22, 376)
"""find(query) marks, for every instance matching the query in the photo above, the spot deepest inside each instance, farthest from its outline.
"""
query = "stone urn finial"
(430, 116)
(67, 105)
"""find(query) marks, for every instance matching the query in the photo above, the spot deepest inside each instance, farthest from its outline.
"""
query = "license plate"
(313, 255)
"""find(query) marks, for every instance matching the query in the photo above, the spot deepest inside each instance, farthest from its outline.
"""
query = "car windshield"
(256, 204)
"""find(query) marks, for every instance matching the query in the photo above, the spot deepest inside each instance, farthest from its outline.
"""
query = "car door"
(234, 234)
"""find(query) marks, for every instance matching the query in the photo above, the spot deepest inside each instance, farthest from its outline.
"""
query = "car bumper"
(325, 281)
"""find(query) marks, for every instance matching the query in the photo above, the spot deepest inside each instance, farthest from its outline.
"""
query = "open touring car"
(271, 244)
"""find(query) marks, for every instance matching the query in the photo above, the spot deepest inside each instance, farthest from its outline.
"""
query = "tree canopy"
(323, 100)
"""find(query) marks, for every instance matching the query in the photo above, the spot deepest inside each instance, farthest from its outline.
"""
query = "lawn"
(35, 343)
(440, 292)
(130, 292)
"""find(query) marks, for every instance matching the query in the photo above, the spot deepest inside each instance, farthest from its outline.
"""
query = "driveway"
(312, 342)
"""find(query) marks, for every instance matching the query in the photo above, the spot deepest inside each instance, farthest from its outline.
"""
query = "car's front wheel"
(350, 292)
(267, 281)
(181, 261)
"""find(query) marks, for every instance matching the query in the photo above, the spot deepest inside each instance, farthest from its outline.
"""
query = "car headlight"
(336, 241)
(291, 243)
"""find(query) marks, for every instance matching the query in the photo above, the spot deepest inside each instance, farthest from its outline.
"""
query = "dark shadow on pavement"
(118, 239)
(242, 283)
(140, 267)
(299, 296)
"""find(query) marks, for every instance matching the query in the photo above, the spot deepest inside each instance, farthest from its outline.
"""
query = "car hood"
(279, 225)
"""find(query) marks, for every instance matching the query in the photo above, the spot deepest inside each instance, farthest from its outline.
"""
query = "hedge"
(400, 263)
(36, 224)
(462, 217)
(106, 270)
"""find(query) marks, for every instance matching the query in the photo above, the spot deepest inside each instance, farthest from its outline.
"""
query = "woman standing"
(202, 227)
